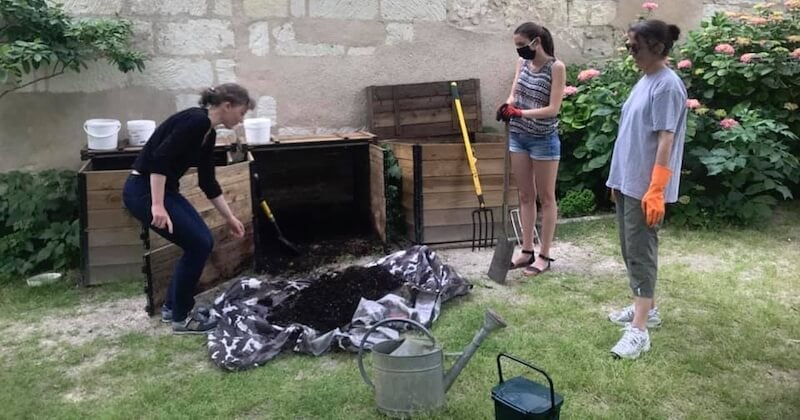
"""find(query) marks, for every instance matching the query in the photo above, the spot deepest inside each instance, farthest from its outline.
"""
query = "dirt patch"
(88, 365)
(91, 321)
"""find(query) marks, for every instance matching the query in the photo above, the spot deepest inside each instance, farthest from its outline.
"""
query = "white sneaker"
(633, 343)
(624, 317)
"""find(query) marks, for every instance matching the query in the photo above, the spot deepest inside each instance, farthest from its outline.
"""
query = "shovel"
(287, 245)
(504, 248)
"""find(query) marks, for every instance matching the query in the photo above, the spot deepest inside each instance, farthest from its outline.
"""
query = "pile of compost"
(329, 301)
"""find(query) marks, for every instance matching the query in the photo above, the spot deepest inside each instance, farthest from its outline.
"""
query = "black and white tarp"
(258, 320)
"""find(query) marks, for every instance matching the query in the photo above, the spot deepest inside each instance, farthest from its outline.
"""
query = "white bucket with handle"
(102, 134)
(257, 130)
(139, 131)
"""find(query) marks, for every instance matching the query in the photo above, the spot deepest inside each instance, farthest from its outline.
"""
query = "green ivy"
(38, 222)
(393, 184)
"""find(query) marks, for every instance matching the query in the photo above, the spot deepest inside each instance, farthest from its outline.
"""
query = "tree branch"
(50, 76)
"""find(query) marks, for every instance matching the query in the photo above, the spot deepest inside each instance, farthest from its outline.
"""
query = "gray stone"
(266, 107)
(592, 12)
(226, 71)
(435, 10)
(175, 74)
(90, 7)
(195, 37)
(259, 39)
(223, 7)
(266, 8)
(354, 33)
(397, 33)
(184, 100)
(359, 51)
(287, 44)
(172, 7)
(297, 8)
(98, 77)
(143, 36)
(343, 9)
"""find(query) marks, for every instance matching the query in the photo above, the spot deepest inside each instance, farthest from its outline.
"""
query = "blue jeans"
(189, 232)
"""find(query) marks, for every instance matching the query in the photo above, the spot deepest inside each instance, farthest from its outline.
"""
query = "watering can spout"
(491, 321)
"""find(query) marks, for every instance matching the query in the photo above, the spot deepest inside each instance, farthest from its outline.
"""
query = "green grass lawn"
(729, 346)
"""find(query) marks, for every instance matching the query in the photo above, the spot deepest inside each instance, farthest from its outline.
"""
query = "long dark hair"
(533, 31)
(654, 31)
(226, 92)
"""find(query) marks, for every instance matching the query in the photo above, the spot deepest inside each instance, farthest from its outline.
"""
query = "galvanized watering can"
(409, 373)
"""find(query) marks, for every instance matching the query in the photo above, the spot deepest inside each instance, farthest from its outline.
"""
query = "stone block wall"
(306, 61)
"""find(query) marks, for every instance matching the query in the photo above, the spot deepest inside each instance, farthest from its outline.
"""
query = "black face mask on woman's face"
(526, 52)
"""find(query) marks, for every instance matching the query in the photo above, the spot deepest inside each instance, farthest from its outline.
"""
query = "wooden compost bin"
(420, 124)
(113, 245)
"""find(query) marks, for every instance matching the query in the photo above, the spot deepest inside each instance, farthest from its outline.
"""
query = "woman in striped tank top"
(532, 112)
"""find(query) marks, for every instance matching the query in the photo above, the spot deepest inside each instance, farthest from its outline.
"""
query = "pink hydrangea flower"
(795, 53)
(758, 20)
(685, 64)
(649, 6)
(588, 74)
(692, 103)
(728, 123)
(792, 4)
(726, 49)
(746, 58)
(570, 90)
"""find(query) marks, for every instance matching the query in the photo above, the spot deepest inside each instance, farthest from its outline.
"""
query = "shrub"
(577, 203)
(38, 222)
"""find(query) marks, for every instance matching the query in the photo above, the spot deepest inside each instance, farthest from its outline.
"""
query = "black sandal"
(530, 260)
(533, 271)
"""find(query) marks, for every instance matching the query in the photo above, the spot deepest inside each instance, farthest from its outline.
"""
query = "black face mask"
(526, 52)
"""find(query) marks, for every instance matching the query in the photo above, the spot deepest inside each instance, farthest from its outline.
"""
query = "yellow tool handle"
(267, 211)
(470, 157)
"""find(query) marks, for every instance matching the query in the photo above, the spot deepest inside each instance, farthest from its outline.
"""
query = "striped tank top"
(531, 92)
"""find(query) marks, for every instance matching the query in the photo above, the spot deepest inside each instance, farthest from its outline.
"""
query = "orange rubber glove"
(653, 200)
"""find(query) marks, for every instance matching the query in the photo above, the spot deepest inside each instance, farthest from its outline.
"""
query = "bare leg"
(545, 172)
(641, 307)
(522, 168)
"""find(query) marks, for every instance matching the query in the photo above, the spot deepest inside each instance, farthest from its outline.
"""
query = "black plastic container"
(520, 398)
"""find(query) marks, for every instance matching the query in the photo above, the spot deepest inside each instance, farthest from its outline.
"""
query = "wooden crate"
(112, 241)
(438, 191)
(419, 123)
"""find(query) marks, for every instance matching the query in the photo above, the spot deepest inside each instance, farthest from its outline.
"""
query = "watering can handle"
(522, 362)
(364, 341)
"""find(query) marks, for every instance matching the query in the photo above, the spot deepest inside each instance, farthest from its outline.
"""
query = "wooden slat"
(421, 116)
(115, 236)
(424, 103)
(447, 234)
(377, 193)
(457, 167)
(449, 217)
(417, 90)
(458, 183)
(104, 199)
(456, 200)
(106, 180)
(115, 255)
(112, 218)
(114, 273)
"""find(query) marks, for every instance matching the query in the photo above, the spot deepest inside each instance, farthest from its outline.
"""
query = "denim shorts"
(546, 147)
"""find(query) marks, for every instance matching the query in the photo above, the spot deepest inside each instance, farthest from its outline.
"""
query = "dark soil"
(275, 260)
(332, 298)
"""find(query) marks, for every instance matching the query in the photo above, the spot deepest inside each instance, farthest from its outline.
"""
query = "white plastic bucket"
(102, 133)
(139, 131)
(256, 130)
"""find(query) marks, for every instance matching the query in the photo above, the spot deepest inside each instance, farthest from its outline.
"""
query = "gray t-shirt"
(656, 103)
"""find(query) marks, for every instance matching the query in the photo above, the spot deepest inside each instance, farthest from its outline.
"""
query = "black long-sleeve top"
(184, 140)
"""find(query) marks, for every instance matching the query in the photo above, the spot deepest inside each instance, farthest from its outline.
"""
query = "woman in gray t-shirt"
(645, 170)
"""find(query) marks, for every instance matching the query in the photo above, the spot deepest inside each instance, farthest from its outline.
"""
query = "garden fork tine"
(481, 216)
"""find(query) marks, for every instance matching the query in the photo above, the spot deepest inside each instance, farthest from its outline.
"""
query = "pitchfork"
(482, 217)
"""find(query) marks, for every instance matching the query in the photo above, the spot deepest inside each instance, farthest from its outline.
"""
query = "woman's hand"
(161, 218)
(236, 227)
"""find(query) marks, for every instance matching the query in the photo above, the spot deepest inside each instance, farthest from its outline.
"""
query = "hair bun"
(674, 32)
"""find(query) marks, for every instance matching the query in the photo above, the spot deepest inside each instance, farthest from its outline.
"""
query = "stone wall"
(307, 61)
